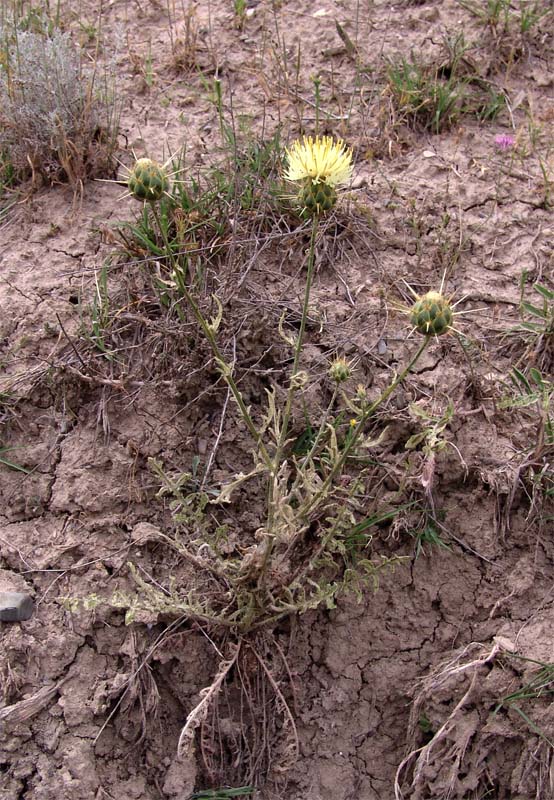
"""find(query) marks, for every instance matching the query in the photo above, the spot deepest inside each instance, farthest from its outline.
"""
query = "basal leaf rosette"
(319, 165)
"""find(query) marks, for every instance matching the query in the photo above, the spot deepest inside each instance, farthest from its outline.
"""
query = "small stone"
(505, 643)
(358, 182)
(15, 606)
(144, 532)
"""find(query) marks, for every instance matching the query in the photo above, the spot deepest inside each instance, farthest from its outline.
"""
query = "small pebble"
(358, 181)
(15, 606)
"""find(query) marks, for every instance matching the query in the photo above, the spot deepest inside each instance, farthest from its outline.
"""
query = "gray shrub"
(51, 119)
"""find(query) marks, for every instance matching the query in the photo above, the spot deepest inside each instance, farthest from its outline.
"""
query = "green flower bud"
(432, 315)
(147, 181)
(339, 370)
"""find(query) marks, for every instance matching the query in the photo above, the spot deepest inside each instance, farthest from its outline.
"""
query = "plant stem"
(317, 439)
(277, 459)
(339, 464)
(399, 378)
(299, 341)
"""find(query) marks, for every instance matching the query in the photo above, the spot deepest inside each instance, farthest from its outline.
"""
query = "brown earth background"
(426, 660)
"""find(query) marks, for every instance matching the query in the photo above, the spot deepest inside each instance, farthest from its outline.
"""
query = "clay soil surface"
(406, 691)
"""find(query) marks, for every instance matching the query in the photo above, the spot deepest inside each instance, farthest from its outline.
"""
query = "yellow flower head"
(320, 160)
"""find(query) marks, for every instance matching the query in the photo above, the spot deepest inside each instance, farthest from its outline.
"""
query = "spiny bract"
(317, 198)
(431, 314)
(147, 181)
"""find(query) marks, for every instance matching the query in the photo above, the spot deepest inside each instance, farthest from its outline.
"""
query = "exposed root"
(541, 762)
(444, 747)
(491, 735)
(199, 713)
(290, 751)
(141, 691)
(249, 733)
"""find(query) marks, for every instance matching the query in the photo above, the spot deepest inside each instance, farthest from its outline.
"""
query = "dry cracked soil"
(436, 683)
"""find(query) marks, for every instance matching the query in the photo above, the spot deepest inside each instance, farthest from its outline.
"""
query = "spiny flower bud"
(361, 393)
(147, 181)
(339, 370)
(431, 314)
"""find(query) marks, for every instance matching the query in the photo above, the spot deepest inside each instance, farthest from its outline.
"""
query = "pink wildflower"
(504, 141)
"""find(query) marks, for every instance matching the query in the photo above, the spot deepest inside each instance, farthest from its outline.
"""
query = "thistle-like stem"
(367, 413)
(209, 334)
(290, 395)
(319, 435)
(299, 340)
(399, 378)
